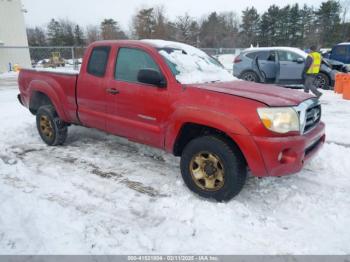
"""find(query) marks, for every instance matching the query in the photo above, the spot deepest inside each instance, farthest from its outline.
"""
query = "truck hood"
(268, 94)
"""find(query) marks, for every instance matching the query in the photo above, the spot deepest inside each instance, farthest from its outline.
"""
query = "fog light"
(279, 158)
(287, 156)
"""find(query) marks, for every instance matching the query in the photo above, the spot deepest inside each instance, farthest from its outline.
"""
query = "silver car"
(279, 65)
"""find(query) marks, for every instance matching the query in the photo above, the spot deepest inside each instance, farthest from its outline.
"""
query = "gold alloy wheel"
(46, 127)
(207, 171)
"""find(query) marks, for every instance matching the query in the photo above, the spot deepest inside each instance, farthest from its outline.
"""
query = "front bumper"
(279, 156)
(287, 155)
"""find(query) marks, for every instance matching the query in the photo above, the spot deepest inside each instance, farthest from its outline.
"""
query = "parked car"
(341, 53)
(280, 65)
(175, 97)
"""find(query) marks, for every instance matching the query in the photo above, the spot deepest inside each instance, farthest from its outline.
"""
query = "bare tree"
(161, 27)
(345, 4)
(92, 34)
(188, 29)
(36, 36)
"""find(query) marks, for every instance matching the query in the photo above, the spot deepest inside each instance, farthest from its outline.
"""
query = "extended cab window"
(98, 61)
(130, 61)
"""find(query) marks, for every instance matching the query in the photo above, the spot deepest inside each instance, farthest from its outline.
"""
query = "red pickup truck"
(175, 97)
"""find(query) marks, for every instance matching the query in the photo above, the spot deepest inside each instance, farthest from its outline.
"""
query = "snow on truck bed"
(100, 194)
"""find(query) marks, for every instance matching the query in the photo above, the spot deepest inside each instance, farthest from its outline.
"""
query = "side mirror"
(299, 60)
(151, 77)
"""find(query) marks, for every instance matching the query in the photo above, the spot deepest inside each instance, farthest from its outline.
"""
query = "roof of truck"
(157, 43)
(345, 43)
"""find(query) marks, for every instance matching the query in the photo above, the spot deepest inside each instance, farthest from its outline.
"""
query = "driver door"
(137, 111)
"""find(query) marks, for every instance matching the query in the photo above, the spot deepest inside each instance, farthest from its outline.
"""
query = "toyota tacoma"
(175, 97)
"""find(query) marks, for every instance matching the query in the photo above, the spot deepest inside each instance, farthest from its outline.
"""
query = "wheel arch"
(190, 131)
(37, 100)
(41, 93)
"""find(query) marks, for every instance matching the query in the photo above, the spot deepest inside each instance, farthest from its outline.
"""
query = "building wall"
(13, 33)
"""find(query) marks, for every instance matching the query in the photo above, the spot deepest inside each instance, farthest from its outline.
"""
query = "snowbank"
(8, 75)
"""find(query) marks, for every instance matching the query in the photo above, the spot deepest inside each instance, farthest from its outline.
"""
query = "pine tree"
(78, 36)
(67, 34)
(110, 30)
(250, 27)
(54, 33)
(307, 26)
(294, 38)
(212, 31)
(328, 22)
(144, 23)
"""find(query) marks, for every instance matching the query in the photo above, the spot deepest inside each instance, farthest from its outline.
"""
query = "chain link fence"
(223, 51)
(70, 57)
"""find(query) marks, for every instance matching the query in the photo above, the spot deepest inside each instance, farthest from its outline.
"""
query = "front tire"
(322, 81)
(213, 168)
(52, 130)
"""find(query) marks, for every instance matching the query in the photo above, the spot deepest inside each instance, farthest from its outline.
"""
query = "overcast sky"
(87, 12)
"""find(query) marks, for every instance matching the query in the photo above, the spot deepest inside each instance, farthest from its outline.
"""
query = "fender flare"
(50, 92)
(204, 117)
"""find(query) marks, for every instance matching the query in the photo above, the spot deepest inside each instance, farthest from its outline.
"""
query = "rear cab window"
(98, 61)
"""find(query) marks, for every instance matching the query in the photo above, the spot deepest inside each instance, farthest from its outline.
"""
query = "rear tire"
(250, 76)
(213, 168)
(52, 130)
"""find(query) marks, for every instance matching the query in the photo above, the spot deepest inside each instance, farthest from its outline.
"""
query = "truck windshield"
(194, 66)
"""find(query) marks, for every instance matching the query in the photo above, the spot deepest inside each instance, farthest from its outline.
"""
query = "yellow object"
(316, 64)
(56, 56)
(16, 68)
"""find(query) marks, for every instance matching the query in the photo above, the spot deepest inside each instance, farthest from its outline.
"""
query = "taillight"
(237, 60)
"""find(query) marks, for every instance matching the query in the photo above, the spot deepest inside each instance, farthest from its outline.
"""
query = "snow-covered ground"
(100, 194)
(227, 61)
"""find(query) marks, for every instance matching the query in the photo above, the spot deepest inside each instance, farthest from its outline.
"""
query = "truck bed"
(59, 85)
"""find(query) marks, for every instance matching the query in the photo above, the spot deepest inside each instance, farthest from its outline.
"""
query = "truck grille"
(309, 114)
(313, 117)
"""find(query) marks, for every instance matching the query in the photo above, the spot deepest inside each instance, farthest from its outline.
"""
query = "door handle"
(112, 91)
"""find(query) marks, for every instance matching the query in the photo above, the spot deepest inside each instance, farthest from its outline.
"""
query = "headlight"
(279, 119)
